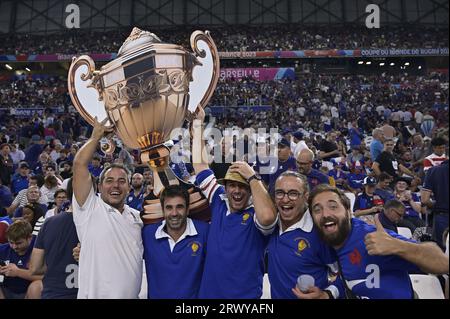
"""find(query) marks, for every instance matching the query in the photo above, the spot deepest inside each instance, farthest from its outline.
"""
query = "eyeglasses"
(292, 195)
(303, 163)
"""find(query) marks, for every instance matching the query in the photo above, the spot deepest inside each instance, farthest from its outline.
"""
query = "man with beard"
(374, 263)
(295, 248)
(109, 231)
(174, 249)
(234, 264)
(136, 196)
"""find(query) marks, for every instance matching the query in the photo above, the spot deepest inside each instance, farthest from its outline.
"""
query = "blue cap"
(298, 135)
(286, 131)
(284, 142)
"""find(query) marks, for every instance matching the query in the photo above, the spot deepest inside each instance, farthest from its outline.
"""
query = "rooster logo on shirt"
(301, 246)
(194, 247)
(245, 217)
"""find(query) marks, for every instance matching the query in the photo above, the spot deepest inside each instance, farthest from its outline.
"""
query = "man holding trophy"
(150, 89)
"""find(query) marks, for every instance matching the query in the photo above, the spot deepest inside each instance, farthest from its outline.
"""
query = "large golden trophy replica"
(146, 92)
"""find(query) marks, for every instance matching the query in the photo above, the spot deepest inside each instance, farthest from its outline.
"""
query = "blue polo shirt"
(136, 201)
(96, 171)
(295, 252)
(234, 264)
(360, 269)
(174, 274)
(16, 284)
(316, 177)
(6, 197)
(384, 194)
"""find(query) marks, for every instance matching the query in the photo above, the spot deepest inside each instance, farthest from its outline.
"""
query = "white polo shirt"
(111, 254)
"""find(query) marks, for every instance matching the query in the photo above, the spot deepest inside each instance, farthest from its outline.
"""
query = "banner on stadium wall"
(387, 52)
(259, 74)
(404, 52)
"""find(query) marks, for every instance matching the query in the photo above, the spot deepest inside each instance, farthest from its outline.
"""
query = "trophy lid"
(138, 38)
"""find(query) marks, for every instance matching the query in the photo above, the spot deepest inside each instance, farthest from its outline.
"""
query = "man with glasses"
(392, 213)
(295, 248)
(304, 162)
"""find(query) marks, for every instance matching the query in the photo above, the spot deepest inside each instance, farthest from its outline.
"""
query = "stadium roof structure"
(46, 16)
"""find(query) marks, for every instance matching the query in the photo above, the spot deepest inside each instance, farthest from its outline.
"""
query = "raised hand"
(379, 242)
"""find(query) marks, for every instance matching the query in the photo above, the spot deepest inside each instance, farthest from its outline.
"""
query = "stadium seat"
(427, 286)
(266, 287)
(405, 232)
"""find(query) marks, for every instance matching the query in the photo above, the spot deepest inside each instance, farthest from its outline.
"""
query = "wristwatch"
(254, 176)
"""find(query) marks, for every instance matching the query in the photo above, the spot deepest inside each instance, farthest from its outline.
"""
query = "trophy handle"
(85, 90)
(204, 74)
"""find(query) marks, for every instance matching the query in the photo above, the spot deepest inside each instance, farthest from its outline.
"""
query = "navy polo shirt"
(436, 181)
(174, 274)
(136, 201)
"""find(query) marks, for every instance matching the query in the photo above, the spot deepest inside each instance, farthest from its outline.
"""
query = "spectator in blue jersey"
(367, 203)
(376, 146)
(412, 218)
(174, 249)
(20, 179)
(355, 134)
(436, 184)
(135, 198)
(392, 213)
(15, 257)
(373, 263)
(295, 248)
(340, 177)
(95, 167)
(356, 178)
(52, 254)
(284, 163)
(305, 162)
(382, 189)
(234, 264)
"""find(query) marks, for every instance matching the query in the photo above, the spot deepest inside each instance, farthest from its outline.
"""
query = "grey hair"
(115, 165)
(299, 176)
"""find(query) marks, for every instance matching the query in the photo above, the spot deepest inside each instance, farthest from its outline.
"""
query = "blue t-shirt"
(96, 171)
(18, 183)
(136, 201)
(7, 254)
(234, 264)
(376, 148)
(384, 194)
(366, 201)
(174, 274)
(58, 237)
(316, 177)
(355, 137)
(374, 277)
(296, 253)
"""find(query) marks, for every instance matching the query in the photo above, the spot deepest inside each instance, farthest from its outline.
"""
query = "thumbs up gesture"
(380, 242)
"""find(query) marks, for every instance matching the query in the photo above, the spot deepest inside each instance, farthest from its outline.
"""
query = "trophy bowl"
(147, 91)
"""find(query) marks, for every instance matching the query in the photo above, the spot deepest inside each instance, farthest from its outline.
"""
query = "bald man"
(304, 162)
(136, 196)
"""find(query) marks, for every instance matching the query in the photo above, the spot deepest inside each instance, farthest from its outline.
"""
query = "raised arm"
(82, 181)
(265, 211)
(199, 156)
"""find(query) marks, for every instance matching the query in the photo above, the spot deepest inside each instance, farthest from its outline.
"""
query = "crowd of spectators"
(236, 38)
